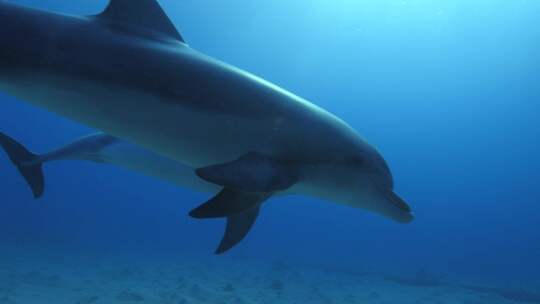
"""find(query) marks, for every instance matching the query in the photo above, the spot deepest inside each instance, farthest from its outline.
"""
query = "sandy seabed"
(191, 279)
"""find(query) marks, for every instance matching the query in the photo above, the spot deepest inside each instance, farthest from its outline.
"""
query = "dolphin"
(106, 149)
(103, 149)
(128, 72)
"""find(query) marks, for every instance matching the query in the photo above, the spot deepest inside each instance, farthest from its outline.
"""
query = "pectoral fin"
(248, 182)
(229, 202)
(238, 226)
(252, 172)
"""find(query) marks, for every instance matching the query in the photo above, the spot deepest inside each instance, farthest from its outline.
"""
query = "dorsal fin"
(142, 13)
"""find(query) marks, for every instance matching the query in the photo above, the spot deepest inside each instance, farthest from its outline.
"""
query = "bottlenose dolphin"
(106, 149)
(129, 73)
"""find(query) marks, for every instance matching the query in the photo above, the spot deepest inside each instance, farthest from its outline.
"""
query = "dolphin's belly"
(137, 159)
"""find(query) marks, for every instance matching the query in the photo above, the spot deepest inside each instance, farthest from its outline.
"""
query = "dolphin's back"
(177, 100)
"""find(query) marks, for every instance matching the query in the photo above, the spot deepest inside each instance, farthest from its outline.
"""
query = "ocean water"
(448, 91)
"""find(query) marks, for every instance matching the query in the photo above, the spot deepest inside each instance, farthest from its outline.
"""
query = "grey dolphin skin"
(103, 148)
(129, 73)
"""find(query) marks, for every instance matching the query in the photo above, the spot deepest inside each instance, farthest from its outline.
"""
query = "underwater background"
(448, 91)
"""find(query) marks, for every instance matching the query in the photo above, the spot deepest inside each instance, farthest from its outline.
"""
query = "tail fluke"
(26, 162)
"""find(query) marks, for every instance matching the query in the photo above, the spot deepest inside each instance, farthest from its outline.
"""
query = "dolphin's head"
(372, 185)
(376, 188)
(361, 179)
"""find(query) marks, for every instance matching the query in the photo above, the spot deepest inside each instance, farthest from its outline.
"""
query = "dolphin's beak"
(394, 207)
(404, 218)
(404, 213)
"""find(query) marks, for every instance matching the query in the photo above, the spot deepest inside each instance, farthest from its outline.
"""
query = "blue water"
(449, 91)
